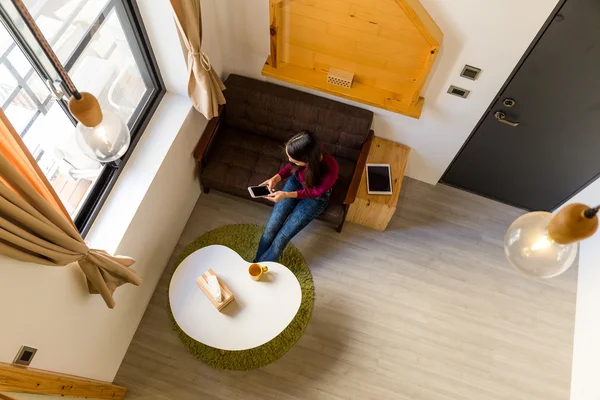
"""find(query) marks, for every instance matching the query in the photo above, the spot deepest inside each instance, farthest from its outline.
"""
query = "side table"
(375, 211)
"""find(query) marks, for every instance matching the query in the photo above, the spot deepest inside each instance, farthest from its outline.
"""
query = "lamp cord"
(35, 30)
(591, 212)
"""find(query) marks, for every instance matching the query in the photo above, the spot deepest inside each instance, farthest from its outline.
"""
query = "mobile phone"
(259, 191)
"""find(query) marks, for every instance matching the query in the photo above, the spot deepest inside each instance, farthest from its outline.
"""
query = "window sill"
(109, 228)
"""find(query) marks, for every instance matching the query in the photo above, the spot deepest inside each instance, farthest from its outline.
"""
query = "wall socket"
(460, 92)
(25, 355)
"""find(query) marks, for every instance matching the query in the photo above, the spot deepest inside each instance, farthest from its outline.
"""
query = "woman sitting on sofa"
(312, 173)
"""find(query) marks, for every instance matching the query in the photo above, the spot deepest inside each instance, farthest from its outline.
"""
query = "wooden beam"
(422, 20)
(420, 83)
(6, 397)
(276, 17)
(17, 379)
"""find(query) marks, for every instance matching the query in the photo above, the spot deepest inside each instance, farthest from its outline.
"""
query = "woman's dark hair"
(305, 147)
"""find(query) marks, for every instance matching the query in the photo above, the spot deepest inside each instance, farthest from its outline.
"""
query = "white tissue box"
(226, 295)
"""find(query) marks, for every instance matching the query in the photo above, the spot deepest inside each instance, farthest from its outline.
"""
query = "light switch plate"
(25, 355)
(470, 72)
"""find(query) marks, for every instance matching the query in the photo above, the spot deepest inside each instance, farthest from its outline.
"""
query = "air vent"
(25, 355)
(340, 78)
(460, 92)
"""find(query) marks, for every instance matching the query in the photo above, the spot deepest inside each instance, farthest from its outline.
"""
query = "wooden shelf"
(389, 46)
(315, 79)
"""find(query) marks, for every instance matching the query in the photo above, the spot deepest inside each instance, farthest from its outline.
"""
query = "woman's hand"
(270, 183)
(279, 195)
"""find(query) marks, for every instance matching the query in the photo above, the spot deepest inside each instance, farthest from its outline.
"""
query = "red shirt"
(330, 175)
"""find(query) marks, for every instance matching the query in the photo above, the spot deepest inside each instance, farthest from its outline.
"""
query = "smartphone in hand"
(259, 191)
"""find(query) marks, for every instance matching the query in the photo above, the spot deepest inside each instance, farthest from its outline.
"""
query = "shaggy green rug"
(244, 240)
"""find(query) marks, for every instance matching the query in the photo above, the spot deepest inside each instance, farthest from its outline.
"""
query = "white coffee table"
(261, 309)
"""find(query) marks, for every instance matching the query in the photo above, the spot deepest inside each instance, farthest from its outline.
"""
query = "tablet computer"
(379, 179)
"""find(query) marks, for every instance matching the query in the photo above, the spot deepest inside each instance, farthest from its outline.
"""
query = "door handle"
(501, 117)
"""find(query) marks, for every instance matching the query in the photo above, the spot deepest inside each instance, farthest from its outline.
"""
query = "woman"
(312, 173)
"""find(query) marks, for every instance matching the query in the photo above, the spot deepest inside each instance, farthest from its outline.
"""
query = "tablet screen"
(379, 178)
(260, 191)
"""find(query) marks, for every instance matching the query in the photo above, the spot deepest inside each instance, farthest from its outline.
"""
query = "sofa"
(244, 145)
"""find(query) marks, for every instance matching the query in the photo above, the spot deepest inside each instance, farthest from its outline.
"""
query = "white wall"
(489, 34)
(585, 384)
(162, 32)
(49, 308)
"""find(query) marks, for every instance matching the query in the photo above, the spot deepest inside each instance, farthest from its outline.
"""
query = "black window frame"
(137, 37)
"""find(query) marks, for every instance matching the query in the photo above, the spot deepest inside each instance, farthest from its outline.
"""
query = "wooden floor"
(429, 309)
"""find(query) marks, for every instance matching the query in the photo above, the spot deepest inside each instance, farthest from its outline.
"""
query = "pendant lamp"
(100, 134)
(544, 245)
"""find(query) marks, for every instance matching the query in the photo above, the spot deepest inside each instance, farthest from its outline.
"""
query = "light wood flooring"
(429, 309)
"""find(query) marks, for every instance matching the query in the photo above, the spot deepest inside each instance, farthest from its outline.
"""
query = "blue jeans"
(289, 217)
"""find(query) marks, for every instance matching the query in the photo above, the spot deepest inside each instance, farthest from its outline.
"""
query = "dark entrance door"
(539, 142)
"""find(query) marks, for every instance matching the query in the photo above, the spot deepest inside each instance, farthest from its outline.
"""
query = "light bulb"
(105, 142)
(531, 250)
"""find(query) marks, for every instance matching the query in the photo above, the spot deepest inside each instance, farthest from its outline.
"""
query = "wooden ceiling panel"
(389, 46)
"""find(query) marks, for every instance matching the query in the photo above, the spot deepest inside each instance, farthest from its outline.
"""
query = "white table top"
(261, 309)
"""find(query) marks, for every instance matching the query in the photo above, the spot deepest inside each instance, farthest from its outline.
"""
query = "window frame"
(137, 37)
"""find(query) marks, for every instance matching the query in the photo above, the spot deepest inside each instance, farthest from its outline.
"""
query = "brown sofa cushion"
(241, 159)
(278, 112)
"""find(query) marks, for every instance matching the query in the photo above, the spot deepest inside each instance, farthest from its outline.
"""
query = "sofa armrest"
(207, 137)
(359, 170)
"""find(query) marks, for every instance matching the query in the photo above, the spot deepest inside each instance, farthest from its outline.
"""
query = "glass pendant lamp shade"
(531, 250)
(544, 245)
(105, 142)
(101, 135)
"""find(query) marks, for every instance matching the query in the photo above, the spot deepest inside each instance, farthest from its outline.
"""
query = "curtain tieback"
(84, 256)
(204, 60)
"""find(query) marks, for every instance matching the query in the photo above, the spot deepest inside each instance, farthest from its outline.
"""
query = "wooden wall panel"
(390, 16)
(339, 6)
(391, 48)
(317, 41)
(381, 41)
(387, 6)
(360, 24)
(298, 22)
(403, 34)
(299, 56)
(326, 61)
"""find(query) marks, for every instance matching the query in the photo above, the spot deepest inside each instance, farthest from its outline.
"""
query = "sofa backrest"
(279, 112)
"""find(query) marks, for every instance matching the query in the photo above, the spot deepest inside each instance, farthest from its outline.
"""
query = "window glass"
(93, 39)
(108, 70)
(65, 22)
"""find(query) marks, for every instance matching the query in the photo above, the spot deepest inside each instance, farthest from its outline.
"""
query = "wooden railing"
(17, 379)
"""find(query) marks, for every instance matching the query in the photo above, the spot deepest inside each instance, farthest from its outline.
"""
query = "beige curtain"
(204, 86)
(36, 228)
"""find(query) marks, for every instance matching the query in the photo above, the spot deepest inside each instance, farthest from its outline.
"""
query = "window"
(103, 46)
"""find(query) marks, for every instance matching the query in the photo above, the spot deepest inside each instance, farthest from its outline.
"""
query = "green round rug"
(244, 240)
